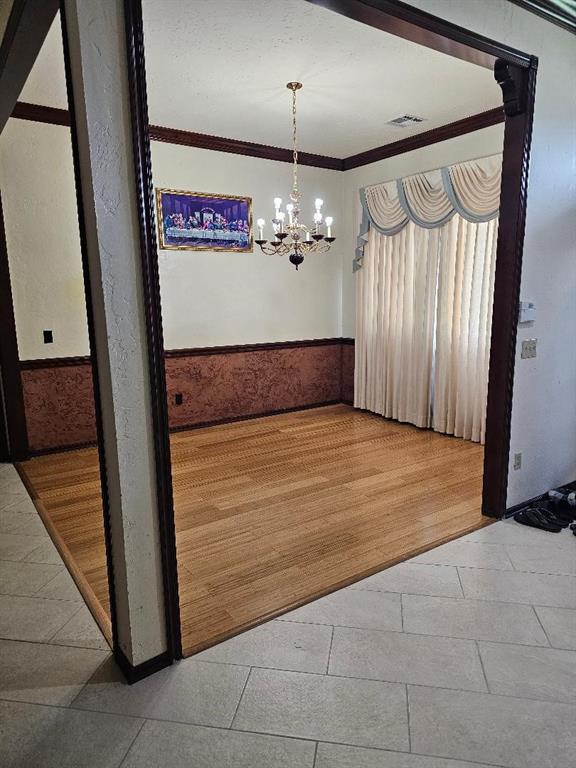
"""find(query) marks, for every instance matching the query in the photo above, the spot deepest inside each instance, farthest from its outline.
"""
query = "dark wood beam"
(26, 30)
(423, 28)
(424, 139)
(38, 113)
(550, 11)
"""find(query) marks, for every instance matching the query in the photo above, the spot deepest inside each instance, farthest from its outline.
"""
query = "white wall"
(488, 141)
(213, 297)
(208, 297)
(39, 201)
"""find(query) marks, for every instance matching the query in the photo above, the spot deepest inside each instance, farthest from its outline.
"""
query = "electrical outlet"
(178, 398)
(48, 337)
(517, 461)
(528, 349)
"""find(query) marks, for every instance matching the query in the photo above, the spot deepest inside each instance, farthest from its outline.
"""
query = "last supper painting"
(197, 221)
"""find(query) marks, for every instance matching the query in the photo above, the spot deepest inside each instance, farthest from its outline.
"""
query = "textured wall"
(227, 386)
(59, 405)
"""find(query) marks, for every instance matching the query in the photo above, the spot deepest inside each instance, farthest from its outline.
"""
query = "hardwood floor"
(273, 512)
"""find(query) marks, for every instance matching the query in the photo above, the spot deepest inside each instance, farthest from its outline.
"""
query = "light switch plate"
(528, 349)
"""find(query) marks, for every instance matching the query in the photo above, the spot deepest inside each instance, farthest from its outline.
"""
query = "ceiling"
(220, 67)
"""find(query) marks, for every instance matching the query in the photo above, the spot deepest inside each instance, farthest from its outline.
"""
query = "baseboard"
(135, 673)
(249, 417)
(196, 425)
(62, 448)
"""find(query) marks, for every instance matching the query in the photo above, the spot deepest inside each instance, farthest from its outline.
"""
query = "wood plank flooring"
(273, 512)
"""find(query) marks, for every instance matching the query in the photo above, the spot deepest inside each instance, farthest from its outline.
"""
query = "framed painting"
(196, 221)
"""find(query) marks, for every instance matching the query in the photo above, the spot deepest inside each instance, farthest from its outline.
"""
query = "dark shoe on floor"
(538, 517)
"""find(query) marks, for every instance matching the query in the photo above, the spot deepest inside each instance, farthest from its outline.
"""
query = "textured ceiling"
(220, 67)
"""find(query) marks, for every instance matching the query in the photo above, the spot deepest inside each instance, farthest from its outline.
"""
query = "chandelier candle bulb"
(296, 240)
(329, 221)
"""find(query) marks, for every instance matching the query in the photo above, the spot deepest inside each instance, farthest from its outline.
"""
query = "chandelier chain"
(294, 142)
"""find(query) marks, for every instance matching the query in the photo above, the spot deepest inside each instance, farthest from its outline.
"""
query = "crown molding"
(52, 115)
(237, 147)
(424, 139)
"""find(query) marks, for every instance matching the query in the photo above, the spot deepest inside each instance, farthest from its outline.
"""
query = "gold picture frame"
(202, 221)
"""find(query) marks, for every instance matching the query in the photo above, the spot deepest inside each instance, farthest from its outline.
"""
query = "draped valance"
(430, 199)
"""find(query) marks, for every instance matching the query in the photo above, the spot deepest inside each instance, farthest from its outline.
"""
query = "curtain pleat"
(463, 328)
(395, 304)
(423, 325)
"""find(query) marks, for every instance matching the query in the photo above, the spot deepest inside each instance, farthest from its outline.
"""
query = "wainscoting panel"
(347, 367)
(59, 404)
(216, 384)
(232, 385)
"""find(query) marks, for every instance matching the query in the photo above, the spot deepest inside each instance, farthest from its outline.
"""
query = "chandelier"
(291, 237)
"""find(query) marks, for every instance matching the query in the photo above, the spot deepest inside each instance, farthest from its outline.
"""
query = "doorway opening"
(282, 490)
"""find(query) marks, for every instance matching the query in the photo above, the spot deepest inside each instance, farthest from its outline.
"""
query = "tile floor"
(464, 657)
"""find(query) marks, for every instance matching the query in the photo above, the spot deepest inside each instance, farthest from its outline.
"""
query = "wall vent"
(405, 120)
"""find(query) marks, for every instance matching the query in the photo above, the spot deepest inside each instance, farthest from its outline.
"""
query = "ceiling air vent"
(405, 120)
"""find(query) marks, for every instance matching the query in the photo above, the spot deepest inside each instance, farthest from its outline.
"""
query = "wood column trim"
(518, 88)
(14, 440)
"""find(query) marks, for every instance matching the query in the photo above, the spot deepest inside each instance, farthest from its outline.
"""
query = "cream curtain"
(395, 317)
(423, 325)
(463, 328)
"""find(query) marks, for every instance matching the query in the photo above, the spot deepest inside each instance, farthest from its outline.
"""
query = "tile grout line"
(315, 755)
(482, 665)
(231, 726)
(505, 547)
(121, 763)
(330, 651)
(408, 717)
(50, 642)
(542, 625)
(460, 581)
(284, 735)
(86, 683)
(52, 578)
(420, 634)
